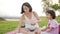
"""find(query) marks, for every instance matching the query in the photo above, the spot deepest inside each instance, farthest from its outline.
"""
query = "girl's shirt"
(53, 24)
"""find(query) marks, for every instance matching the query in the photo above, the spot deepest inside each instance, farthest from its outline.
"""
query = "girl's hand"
(48, 30)
(43, 28)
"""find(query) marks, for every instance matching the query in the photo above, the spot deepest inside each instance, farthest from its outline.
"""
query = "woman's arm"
(20, 23)
(38, 18)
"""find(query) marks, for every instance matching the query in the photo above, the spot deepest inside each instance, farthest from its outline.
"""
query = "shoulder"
(34, 13)
(54, 22)
(22, 16)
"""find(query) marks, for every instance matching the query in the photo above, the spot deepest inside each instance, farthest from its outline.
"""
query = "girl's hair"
(52, 13)
(28, 5)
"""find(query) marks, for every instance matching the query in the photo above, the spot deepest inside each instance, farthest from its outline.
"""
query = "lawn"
(6, 26)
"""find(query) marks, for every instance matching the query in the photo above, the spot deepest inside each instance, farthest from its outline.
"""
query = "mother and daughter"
(32, 20)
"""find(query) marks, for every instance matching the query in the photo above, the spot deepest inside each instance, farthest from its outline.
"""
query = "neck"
(51, 19)
(28, 13)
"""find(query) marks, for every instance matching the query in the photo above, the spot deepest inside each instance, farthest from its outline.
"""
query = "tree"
(46, 4)
(59, 2)
(56, 7)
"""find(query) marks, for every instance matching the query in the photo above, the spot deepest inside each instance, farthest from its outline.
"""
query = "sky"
(13, 7)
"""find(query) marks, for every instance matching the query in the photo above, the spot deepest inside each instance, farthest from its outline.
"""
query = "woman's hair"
(28, 5)
(52, 13)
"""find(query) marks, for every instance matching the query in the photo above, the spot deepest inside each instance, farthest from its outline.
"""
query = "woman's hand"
(36, 21)
(33, 24)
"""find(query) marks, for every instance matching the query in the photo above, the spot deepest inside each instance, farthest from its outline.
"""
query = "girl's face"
(26, 9)
(48, 16)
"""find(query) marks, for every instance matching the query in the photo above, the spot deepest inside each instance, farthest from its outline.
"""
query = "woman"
(31, 19)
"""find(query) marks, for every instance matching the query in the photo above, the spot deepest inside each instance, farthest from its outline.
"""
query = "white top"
(29, 21)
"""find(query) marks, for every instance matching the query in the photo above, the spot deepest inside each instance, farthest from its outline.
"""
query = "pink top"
(53, 24)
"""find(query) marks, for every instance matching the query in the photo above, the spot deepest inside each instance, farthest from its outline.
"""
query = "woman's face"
(26, 9)
(48, 16)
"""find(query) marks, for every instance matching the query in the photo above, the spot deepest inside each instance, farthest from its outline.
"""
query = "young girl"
(52, 27)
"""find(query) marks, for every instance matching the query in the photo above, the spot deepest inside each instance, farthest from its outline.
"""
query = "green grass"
(6, 26)
(58, 19)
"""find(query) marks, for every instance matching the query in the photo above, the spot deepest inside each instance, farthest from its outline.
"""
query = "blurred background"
(10, 12)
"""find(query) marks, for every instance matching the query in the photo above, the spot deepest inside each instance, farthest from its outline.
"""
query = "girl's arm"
(49, 29)
(38, 18)
(20, 23)
(52, 26)
(44, 28)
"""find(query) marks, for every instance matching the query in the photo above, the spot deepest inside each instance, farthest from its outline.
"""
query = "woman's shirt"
(29, 21)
